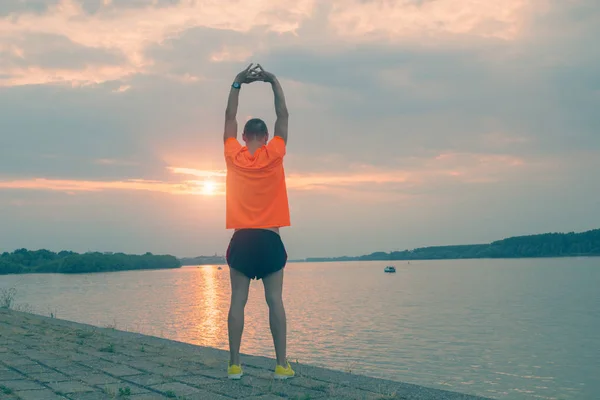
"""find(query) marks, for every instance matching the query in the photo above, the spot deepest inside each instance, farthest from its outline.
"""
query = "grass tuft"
(108, 349)
(5, 390)
(126, 391)
(7, 297)
(84, 334)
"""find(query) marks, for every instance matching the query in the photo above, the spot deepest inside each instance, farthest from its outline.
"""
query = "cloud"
(130, 30)
(453, 169)
(122, 89)
(41, 58)
(198, 173)
(230, 54)
(16, 7)
(37, 76)
(504, 140)
(371, 19)
(52, 51)
(102, 30)
(110, 161)
(73, 186)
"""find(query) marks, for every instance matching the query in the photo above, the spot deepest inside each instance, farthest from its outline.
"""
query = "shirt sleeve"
(277, 146)
(232, 146)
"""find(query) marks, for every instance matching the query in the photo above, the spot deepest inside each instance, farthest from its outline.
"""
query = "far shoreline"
(545, 245)
(452, 259)
(540, 246)
(307, 262)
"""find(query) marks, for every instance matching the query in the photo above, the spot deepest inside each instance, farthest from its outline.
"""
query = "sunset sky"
(412, 122)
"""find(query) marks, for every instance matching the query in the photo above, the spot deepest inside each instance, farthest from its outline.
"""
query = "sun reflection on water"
(206, 319)
(206, 305)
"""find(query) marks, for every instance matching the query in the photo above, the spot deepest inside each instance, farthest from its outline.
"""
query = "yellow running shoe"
(234, 372)
(284, 373)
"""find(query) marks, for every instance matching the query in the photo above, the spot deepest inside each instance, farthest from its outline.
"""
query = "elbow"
(229, 115)
(283, 113)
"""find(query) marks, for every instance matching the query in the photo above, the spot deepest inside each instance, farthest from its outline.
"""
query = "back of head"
(255, 129)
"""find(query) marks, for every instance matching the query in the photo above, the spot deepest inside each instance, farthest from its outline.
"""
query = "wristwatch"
(236, 85)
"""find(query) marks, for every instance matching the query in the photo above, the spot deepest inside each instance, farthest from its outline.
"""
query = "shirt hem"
(257, 226)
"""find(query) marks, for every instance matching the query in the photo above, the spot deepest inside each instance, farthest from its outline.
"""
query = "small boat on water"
(389, 268)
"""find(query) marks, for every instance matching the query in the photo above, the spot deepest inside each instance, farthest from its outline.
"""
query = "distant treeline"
(203, 260)
(68, 262)
(544, 245)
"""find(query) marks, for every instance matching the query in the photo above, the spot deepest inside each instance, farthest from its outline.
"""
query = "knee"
(274, 300)
(239, 300)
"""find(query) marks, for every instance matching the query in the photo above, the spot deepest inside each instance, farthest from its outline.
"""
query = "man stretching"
(257, 206)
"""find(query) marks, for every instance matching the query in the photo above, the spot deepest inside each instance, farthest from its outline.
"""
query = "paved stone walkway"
(49, 359)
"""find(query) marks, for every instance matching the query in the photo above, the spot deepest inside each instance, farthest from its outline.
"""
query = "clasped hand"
(253, 74)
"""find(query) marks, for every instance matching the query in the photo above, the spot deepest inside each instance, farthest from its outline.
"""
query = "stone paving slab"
(98, 395)
(132, 389)
(148, 379)
(44, 394)
(97, 378)
(49, 377)
(44, 358)
(8, 375)
(22, 384)
(70, 387)
(175, 387)
(146, 397)
(195, 380)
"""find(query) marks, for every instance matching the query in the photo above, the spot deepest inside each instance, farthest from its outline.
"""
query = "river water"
(506, 329)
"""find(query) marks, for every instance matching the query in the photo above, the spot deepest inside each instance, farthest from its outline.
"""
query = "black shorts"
(256, 253)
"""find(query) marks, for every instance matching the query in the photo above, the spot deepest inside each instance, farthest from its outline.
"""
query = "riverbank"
(25, 261)
(47, 359)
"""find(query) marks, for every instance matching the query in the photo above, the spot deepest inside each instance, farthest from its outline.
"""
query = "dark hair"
(255, 128)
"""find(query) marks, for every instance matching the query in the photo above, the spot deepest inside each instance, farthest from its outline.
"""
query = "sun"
(209, 188)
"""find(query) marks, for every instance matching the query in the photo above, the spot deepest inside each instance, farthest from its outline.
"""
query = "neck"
(253, 146)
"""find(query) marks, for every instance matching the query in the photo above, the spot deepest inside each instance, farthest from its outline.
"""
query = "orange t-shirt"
(256, 194)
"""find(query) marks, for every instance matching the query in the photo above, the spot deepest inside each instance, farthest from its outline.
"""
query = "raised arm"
(246, 76)
(281, 111)
(231, 125)
(281, 123)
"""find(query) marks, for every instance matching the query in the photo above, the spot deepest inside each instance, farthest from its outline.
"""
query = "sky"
(412, 122)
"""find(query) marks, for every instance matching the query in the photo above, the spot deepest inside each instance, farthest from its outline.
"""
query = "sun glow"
(209, 188)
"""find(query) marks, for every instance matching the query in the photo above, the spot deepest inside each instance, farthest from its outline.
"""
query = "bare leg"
(235, 321)
(273, 293)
